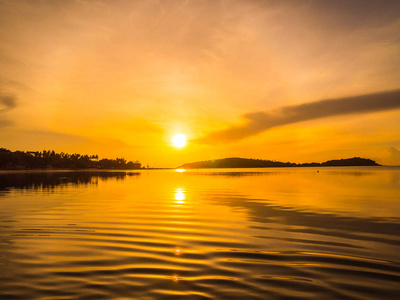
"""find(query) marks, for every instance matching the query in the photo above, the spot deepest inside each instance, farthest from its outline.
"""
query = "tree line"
(20, 160)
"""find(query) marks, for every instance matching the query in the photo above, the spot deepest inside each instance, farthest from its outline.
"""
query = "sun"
(179, 140)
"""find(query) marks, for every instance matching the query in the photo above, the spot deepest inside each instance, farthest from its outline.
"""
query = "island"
(237, 162)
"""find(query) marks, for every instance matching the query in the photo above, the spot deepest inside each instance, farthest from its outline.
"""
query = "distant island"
(30, 160)
(237, 162)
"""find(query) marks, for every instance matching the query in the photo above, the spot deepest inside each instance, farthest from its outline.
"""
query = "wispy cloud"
(26, 139)
(257, 122)
(7, 103)
(5, 123)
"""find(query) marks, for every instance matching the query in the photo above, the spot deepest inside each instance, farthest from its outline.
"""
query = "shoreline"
(70, 170)
(2, 171)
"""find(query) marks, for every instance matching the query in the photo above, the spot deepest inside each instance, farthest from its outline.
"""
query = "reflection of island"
(306, 222)
(237, 162)
(50, 180)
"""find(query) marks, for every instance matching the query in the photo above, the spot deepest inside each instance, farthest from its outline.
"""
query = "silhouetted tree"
(50, 159)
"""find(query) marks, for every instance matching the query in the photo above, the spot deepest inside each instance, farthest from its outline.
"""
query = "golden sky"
(295, 81)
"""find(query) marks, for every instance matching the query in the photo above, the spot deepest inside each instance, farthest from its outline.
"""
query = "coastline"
(380, 167)
(76, 170)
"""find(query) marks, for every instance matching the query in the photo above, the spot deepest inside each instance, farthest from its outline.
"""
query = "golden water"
(328, 233)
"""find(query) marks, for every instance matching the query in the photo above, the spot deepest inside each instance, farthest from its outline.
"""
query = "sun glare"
(179, 140)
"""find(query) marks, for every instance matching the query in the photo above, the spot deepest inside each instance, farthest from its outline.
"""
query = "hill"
(237, 162)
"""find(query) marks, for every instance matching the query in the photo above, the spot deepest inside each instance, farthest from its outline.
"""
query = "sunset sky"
(295, 81)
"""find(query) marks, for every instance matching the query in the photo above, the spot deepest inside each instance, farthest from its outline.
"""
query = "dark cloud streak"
(7, 103)
(257, 122)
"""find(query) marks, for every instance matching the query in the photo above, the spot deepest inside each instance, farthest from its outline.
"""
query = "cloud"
(257, 122)
(7, 103)
(65, 139)
(60, 141)
(5, 123)
(13, 84)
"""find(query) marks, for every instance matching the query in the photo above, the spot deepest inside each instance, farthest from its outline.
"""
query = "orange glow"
(177, 69)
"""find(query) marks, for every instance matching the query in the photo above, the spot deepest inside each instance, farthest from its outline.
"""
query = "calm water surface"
(201, 234)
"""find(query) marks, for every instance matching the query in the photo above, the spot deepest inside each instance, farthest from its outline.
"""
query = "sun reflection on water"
(179, 196)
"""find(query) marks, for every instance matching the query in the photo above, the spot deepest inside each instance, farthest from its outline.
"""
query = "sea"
(269, 233)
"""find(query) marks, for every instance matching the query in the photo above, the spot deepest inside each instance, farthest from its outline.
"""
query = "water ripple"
(78, 243)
